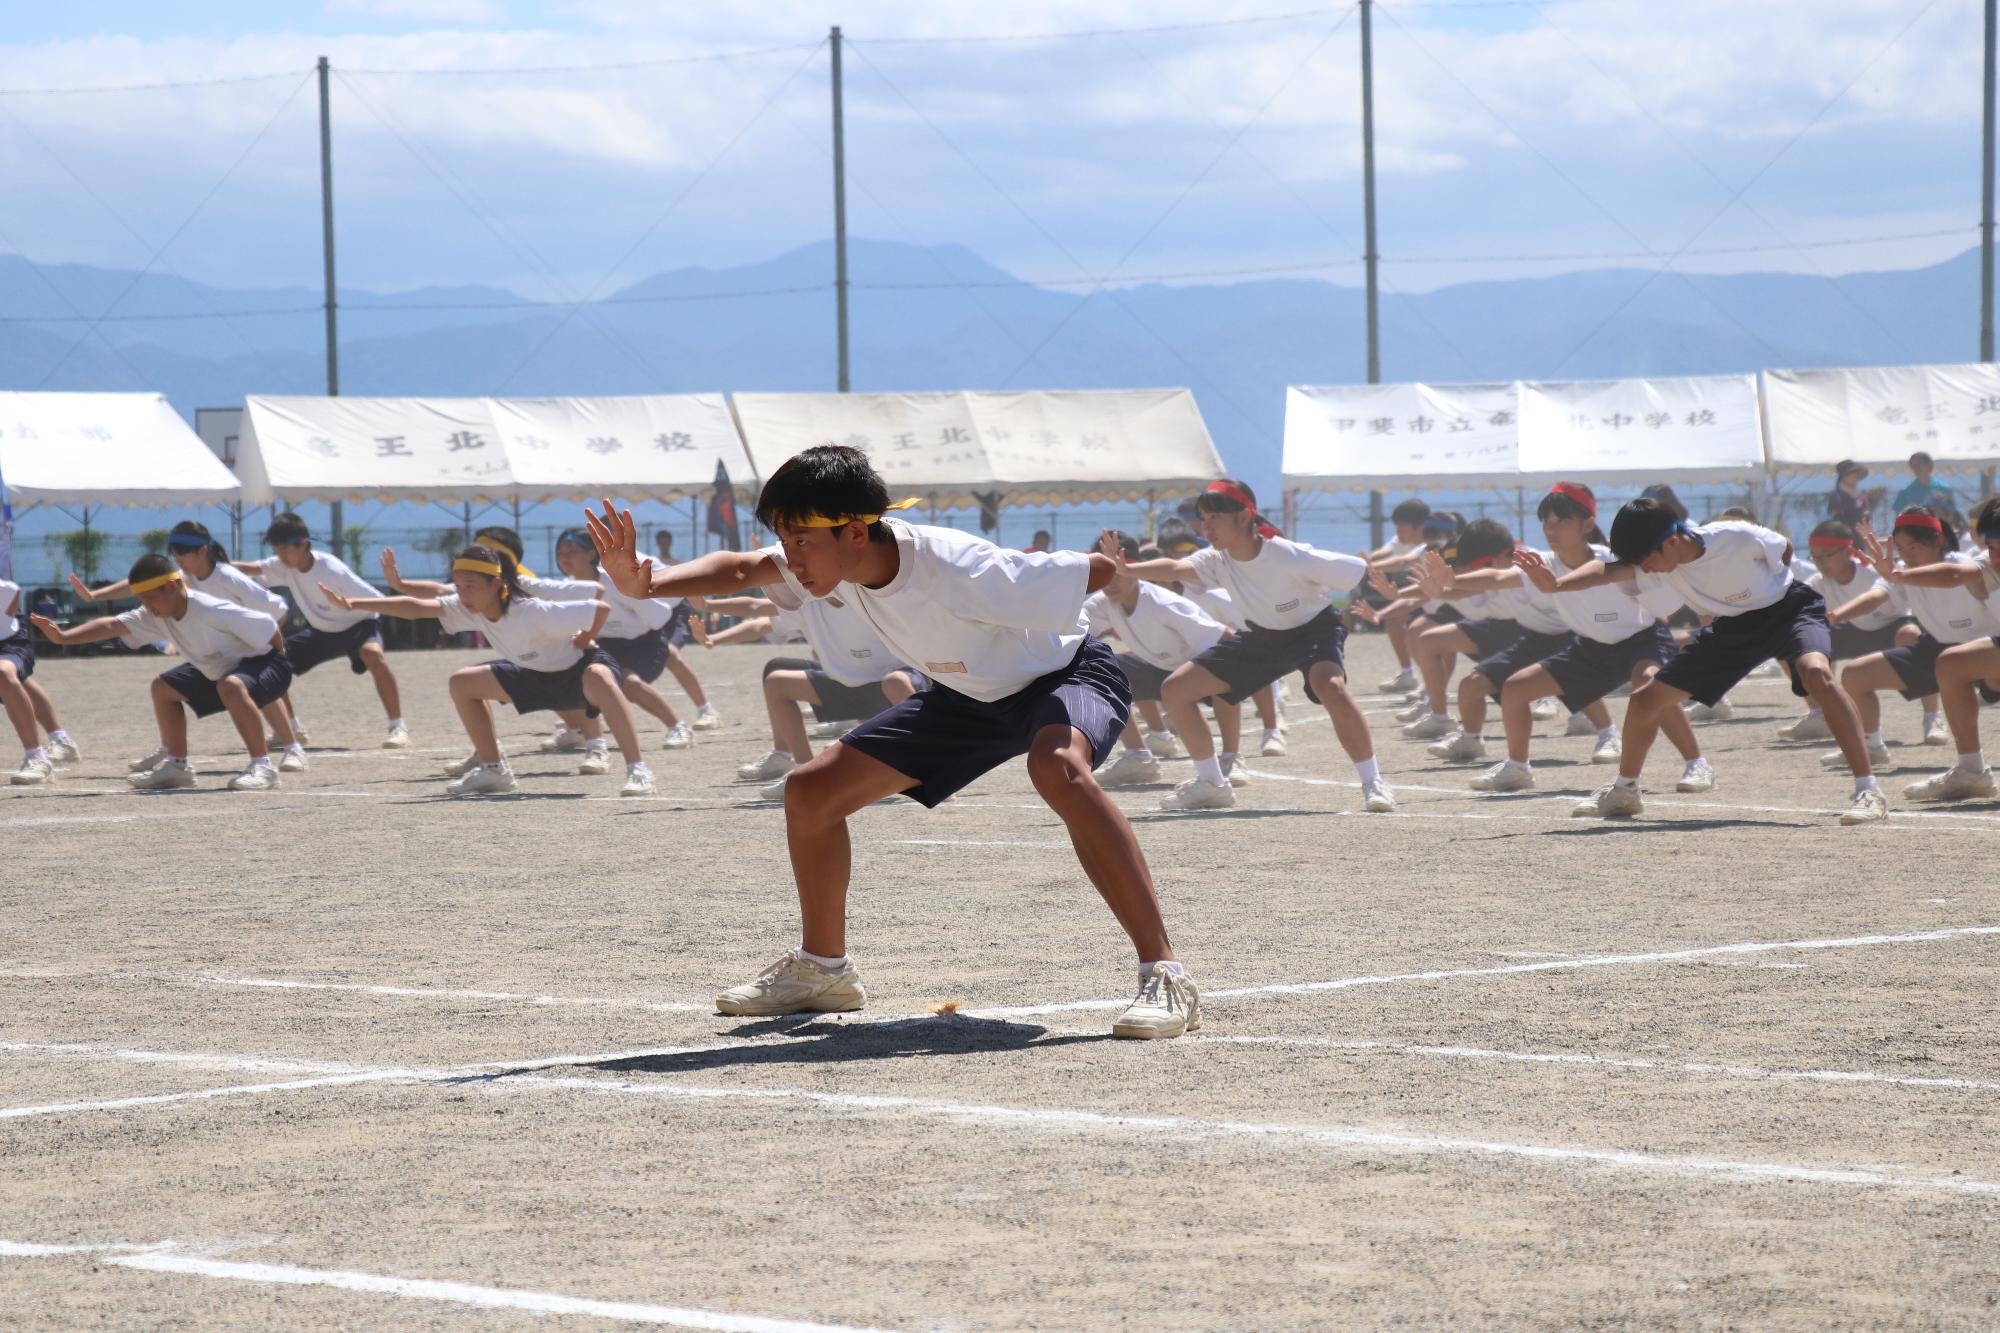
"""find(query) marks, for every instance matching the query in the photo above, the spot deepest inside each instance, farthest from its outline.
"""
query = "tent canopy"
(1698, 429)
(1360, 437)
(656, 447)
(1883, 415)
(1032, 448)
(105, 448)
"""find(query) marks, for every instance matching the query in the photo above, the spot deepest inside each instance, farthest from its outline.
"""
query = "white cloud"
(420, 11)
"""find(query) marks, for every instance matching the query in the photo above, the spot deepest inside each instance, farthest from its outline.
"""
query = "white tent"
(1697, 429)
(1883, 415)
(1375, 436)
(1032, 448)
(656, 447)
(105, 448)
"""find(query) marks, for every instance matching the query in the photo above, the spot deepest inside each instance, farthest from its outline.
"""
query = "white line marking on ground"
(967, 842)
(437, 993)
(201, 1094)
(42, 821)
(165, 1259)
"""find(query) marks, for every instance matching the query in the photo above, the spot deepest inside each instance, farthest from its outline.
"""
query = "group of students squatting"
(962, 655)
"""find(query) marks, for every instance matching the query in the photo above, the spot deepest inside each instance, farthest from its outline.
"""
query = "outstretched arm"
(392, 574)
(1860, 606)
(402, 608)
(90, 631)
(740, 606)
(718, 572)
(1152, 571)
(86, 593)
(1596, 574)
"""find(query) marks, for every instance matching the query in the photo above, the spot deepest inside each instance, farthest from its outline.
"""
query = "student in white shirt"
(1281, 588)
(1841, 575)
(28, 705)
(549, 659)
(996, 631)
(231, 664)
(1156, 632)
(205, 566)
(1741, 574)
(1489, 621)
(1969, 671)
(330, 632)
(1395, 554)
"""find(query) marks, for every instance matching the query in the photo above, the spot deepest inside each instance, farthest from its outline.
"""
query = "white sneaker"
(398, 738)
(1878, 756)
(1430, 727)
(262, 775)
(1955, 784)
(1377, 799)
(1402, 682)
(1461, 746)
(292, 761)
(595, 760)
(1867, 807)
(1233, 770)
(680, 736)
(483, 780)
(1196, 794)
(1721, 711)
(34, 772)
(1811, 727)
(1609, 750)
(565, 740)
(1579, 725)
(773, 765)
(167, 773)
(795, 985)
(1274, 746)
(1163, 744)
(1544, 708)
(1612, 802)
(1414, 712)
(1698, 776)
(638, 781)
(831, 731)
(299, 730)
(1505, 776)
(1167, 1005)
(458, 768)
(63, 752)
(706, 718)
(773, 792)
(149, 763)
(1936, 732)
(1130, 769)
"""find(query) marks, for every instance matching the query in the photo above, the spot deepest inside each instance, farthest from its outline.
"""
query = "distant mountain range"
(941, 317)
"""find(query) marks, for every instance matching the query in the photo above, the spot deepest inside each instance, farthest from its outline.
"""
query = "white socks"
(1142, 754)
(1872, 739)
(1610, 733)
(394, 722)
(1630, 784)
(1209, 770)
(1865, 784)
(1974, 762)
(1369, 770)
(37, 753)
(1172, 967)
(61, 737)
(830, 964)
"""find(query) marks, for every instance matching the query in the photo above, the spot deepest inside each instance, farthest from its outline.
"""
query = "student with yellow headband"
(550, 659)
(996, 631)
(28, 705)
(231, 665)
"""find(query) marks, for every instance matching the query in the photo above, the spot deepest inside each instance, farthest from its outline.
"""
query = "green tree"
(352, 539)
(80, 549)
(154, 539)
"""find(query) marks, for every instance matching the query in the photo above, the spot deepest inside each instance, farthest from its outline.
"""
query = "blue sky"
(1581, 128)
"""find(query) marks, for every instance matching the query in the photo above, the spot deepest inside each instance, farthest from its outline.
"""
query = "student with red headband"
(1155, 631)
(1968, 672)
(1741, 574)
(1395, 555)
(1841, 578)
(1614, 639)
(1948, 612)
(1281, 588)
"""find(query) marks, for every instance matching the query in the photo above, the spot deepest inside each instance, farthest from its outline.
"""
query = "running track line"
(166, 1258)
(433, 993)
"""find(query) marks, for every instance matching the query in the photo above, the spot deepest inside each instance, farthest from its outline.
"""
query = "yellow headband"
(486, 567)
(157, 581)
(828, 521)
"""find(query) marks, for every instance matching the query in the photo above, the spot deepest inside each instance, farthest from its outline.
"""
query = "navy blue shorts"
(268, 677)
(1587, 670)
(1444, 615)
(1144, 678)
(533, 691)
(644, 656)
(1249, 661)
(1916, 665)
(680, 626)
(20, 650)
(1530, 647)
(1851, 641)
(839, 702)
(1727, 649)
(311, 647)
(945, 740)
(1488, 636)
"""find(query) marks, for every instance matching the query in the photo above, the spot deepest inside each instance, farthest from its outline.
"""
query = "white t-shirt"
(1743, 569)
(233, 585)
(10, 622)
(844, 641)
(631, 617)
(1611, 613)
(1989, 578)
(1164, 628)
(1527, 606)
(212, 634)
(1218, 603)
(1282, 586)
(1840, 594)
(1949, 615)
(974, 617)
(534, 634)
(329, 569)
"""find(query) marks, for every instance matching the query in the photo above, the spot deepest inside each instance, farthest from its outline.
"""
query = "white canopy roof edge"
(105, 448)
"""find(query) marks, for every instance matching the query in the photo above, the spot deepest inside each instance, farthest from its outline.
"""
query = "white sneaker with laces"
(299, 730)
(1811, 727)
(1721, 711)
(773, 792)
(1878, 757)
(1544, 709)
(1274, 746)
(706, 718)
(680, 736)
(1609, 750)
(1130, 769)
(1197, 794)
(262, 775)
(1233, 770)
(775, 764)
(1505, 776)
(565, 740)
(1377, 799)
(398, 738)
(1579, 725)
(1955, 784)
(1936, 732)
(1461, 746)
(1430, 727)
(1418, 710)
(595, 760)
(795, 985)
(1867, 807)
(292, 761)
(638, 781)
(1612, 802)
(1402, 681)
(1698, 776)
(483, 780)
(167, 773)
(1167, 1005)
(33, 772)
(63, 752)
(149, 763)
(1163, 744)
(458, 768)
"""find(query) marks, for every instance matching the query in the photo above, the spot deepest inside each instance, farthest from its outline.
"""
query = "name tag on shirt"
(861, 652)
(1605, 616)
(1292, 605)
(944, 668)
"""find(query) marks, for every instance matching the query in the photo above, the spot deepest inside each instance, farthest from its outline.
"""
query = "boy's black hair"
(510, 574)
(150, 566)
(1662, 493)
(1148, 551)
(1479, 539)
(1410, 512)
(577, 537)
(1641, 527)
(1832, 527)
(1986, 514)
(285, 529)
(188, 535)
(1176, 532)
(1947, 535)
(828, 479)
(1738, 514)
(506, 537)
(1215, 502)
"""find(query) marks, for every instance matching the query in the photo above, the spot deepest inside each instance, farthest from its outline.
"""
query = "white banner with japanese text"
(1386, 436)
(1699, 429)
(1883, 414)
(105, 448)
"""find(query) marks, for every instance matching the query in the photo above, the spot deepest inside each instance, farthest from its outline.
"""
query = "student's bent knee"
(1059, 772)
(1817, 677)
(232, 688)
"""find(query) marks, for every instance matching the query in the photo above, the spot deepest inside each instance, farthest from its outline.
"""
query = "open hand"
(1534, 569)
(1877, 551)
(1434, 575)
(341, 600)
(617, 541)
(82, 588)
(389, 570)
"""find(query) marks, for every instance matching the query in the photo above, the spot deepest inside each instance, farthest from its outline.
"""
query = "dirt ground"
(353, 1053)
